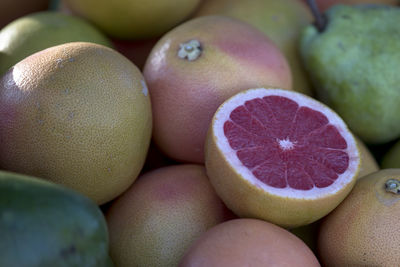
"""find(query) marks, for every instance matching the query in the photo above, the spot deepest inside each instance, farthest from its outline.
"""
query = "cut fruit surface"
(280, 156)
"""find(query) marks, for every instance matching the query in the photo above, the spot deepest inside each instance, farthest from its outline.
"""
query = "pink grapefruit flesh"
(280, 146)
(288, 133)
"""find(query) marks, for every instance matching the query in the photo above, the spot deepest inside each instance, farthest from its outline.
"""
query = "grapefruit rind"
(247, 197)
(222, 142)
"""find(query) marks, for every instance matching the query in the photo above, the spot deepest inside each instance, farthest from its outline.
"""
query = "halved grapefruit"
(280, 156)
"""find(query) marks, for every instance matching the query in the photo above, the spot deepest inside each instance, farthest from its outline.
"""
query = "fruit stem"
(393, 186)
(320, 19)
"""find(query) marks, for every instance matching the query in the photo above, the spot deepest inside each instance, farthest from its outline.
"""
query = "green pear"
(354, 64)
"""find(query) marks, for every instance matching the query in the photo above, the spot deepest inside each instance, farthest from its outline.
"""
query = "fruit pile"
(199, 133)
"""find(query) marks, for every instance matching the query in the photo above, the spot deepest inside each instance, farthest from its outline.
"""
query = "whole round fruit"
(13, 9)
(362, 229)
(282, 21)
(195, 67)
(44, 224)
(78, 114)
(134, 19)
(354, 74)
(154, 222)
(280, 156)
(38, 31)
(248, 242)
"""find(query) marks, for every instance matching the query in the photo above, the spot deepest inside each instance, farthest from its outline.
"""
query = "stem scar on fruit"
(190, 50)
(393, 186)
(320, 19)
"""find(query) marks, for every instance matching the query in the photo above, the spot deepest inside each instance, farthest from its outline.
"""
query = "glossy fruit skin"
(78, 114)
(355, 74)
(165, 210)
(41, 30)
(185, 94)
(248, 242)
(45, 225)
(362, 229)
(133, 19)
(282, 21)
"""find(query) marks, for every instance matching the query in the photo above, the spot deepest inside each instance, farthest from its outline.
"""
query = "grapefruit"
(368, 163)
(280, 156)
(248, 242)
(35, 32)
(362, 230)
(198, 65)
(133, 19)
(282, 21)
(77, 114)
(155, 221)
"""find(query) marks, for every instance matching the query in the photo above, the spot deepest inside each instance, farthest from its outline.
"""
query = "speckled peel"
(354, 67)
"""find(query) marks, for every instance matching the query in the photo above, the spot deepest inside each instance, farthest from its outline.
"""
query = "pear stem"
(320, 19)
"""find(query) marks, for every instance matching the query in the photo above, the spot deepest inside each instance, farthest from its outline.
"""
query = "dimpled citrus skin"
(248, 242)
(77, 114)
(353, 65)
(362, 230)
(282, 21)
(134, 19)
(185, 94)
(154, 222)
(368, 163)
(41, 30)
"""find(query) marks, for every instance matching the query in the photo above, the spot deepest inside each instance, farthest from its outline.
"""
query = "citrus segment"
(289, 133)
(277, 145)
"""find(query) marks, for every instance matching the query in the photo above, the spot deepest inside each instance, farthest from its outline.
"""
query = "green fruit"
(43, 224)
(354, 64)
(35, 32)
(133, 19)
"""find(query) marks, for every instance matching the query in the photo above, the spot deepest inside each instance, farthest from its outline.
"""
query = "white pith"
(222, 115)
(286, 144)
